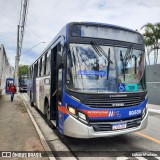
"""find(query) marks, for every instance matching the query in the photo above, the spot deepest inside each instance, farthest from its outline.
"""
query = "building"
(6, 70)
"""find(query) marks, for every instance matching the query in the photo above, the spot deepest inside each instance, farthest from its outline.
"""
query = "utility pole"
(17, 59)
(20, 35)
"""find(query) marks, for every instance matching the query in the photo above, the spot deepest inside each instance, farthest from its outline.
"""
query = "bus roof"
(104, 25)
(65, 28)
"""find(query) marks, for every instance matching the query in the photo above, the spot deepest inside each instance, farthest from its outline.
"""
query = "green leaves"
(23, 69)
(151, 37)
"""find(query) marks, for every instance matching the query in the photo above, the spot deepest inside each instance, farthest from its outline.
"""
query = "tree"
(152, 39)
(23, 69)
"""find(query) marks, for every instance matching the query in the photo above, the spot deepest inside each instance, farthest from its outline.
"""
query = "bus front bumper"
(75, 128)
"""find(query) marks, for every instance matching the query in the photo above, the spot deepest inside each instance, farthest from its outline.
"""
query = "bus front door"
(57, 115)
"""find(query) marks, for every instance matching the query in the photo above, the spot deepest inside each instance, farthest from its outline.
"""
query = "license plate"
(119, 126)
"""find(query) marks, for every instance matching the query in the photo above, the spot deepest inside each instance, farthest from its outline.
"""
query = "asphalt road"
(122, 147)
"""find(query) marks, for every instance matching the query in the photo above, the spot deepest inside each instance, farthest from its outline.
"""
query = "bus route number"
(134, 112)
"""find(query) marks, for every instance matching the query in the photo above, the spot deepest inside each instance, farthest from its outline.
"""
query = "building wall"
(153, 83)
(6, 70)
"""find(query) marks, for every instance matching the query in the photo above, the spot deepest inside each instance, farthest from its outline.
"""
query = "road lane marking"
(148, 137)
(141, 158)
(122, 158)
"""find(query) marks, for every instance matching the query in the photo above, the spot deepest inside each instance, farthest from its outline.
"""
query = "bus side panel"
(46, 82)
(37, 94)
(42, 92)
(34, 91)
(30, 88)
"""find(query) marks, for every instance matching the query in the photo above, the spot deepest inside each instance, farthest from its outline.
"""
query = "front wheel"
(47, 111)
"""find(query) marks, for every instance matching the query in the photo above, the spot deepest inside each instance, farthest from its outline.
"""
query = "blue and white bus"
(23, 82)
(90, 81)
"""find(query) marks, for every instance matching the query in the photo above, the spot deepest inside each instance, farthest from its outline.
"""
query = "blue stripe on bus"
(113, 113)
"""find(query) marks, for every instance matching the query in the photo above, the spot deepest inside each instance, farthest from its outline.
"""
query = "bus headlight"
(82, 116)
(71, 110)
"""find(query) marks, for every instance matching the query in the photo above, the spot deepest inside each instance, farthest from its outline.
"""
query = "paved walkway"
(153, 106)
(17, 132)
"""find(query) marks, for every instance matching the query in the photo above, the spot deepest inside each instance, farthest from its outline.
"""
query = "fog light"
(82, 116)
(71, 110)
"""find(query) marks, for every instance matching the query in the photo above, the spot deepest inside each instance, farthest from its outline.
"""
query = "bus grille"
(113, 102)
(108, 126)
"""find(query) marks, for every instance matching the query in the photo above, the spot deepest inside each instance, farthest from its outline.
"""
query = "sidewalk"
(17, 132)
(153, 106)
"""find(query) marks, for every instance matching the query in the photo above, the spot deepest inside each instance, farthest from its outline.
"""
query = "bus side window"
(43, 62)
(34, 76)
(59, 54)
(40, 66)
(48, 63)
(32, 72)
(37, 69)
(60, 79)
(60, 84)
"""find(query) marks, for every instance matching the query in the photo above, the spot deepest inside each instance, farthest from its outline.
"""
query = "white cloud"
(46, 18)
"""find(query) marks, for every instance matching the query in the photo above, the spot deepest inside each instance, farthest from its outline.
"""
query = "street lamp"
(18, 59)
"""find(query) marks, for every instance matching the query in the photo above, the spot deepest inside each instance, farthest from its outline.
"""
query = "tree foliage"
(152, 40)
(23, 69)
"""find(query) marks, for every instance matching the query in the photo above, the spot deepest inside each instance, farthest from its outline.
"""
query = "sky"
(45, 19)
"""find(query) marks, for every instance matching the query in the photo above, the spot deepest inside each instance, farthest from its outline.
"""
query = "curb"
(154, 110)
(42, 139)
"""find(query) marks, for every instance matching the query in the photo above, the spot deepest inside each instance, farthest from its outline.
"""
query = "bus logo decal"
(112, 114)
(121, 87)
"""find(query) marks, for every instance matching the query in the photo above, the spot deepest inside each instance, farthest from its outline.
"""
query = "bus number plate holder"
(119, 126)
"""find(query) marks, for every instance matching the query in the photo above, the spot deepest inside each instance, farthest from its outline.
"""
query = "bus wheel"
(47, 111)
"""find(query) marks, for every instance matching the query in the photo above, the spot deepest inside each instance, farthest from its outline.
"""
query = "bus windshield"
(92, 68)
(89, 70)
(131, 66)
(23, 80)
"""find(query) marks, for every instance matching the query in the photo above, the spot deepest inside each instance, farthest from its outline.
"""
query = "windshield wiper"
(128, 54)
(126, 59)
(99, 50)
(108, 66)
(123, 64)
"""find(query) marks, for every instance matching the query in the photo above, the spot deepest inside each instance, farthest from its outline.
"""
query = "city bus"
(90, 81)
(23, 82)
